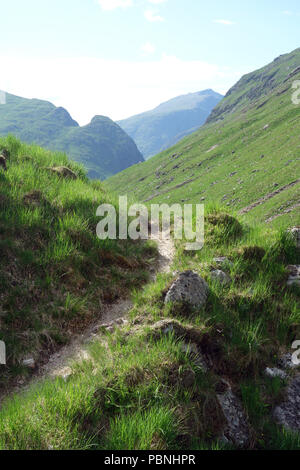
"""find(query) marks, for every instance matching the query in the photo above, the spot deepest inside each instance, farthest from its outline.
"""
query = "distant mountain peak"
(166, 124)
(102, 146)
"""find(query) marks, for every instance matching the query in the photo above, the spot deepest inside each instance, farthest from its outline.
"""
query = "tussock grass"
(55, 273)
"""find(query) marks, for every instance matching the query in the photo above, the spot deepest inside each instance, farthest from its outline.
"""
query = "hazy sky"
(121, 57)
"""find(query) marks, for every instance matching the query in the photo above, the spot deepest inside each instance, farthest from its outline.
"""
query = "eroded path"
(59, 362)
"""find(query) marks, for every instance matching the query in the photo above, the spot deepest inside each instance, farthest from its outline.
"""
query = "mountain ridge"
(163, 126)
(248, 146)
(101, 146)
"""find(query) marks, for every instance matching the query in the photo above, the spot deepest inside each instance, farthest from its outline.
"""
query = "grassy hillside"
(156, 130)
(55, 275)
(102, 146)
(248, 149)
(140, 387)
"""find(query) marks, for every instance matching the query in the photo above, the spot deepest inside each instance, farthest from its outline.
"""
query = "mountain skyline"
(171, 48)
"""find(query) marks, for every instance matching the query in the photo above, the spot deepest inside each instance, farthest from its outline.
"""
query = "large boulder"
(189, 288)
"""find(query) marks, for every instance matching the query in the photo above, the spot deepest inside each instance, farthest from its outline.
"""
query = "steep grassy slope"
(143, 388)
(165, 125)
(55, 274)
(102, 146)
(248, 149)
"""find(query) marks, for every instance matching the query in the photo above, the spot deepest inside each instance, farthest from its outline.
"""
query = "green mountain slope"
(55, 275)
(102, 146)
(165, 125)
(247, 153)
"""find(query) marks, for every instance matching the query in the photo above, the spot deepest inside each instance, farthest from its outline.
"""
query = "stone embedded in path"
(220, 277)
(189, 288)
(236, 430)
(287, 413)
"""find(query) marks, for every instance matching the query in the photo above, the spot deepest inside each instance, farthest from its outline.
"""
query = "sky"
(121, 57)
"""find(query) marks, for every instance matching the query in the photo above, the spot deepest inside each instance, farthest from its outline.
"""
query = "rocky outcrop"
(189, 288)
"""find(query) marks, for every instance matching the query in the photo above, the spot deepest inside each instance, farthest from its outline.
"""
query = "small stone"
(286, 362)
(220, 277)
(272, 373)
(222, 260)
(30, 363)
(64, 172)
(294, 275)
(3, 162)
(295, 232)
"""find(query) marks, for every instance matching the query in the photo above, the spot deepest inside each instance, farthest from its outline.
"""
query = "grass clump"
(56, 274)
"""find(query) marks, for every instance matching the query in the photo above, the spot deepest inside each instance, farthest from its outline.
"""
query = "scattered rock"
(222, 260)
(33, 198)
(212, 148)
(294, 275)
(30, 363)
(295, 232)
(237, 429)
(3, 162)
(189, 288)
(287, 413)
(286, 362)
(5, 153)
(188, 378)
(275, 373)
(220, 277)
(196, 356)
(64, 172)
